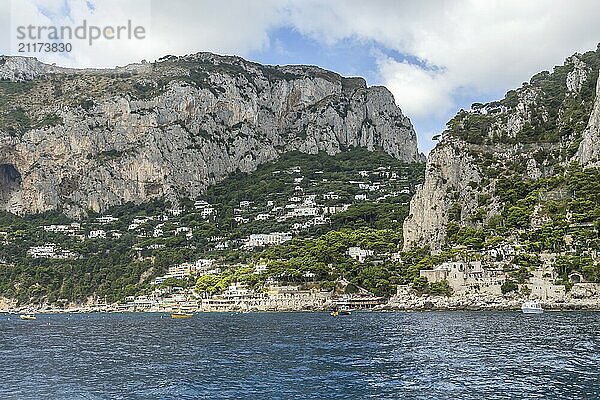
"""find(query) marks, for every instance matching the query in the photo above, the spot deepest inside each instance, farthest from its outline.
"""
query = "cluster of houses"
(485, 271)
(52, 251)
(188, 270)
(174, 290)
(312, 209)
(267, 239)
(295, 213)
(239, 296)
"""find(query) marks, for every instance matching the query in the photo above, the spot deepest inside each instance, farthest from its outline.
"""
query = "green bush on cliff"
(421, 285)
(509, 286)
(441, 288)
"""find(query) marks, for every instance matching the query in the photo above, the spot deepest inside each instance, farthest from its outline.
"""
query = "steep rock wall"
(75, 140)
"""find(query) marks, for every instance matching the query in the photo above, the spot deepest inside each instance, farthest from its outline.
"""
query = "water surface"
(431, 355)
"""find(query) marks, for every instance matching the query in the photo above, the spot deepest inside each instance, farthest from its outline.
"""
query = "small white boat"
(532, 307)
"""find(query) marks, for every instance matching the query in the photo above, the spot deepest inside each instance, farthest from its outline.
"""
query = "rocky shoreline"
(395, 304)
(484, 303)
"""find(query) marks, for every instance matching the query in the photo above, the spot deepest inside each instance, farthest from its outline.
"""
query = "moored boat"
(181, 315)
(532, 307)
(27, 317)
(339, 313)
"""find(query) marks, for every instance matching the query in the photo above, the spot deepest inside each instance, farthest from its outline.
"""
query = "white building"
(46, 251)
(223, 245)
(266, 239)
(140, 220)
(204, 263)
(336, 209)
(304, 212)
(200, 204)
(262, 217)
(320, 220)
(50, 250)
(56, 228)
(206, 212)
(236, 290)
(259, 268)
(467, 277)
(70, 229)
(185, 230)
(100, 233)
(175, 211)
(106, 219)
(331, 196)
(359, 254)
(158, 231)
(185, 270)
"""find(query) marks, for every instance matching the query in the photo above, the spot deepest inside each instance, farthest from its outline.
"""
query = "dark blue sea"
(421, 355)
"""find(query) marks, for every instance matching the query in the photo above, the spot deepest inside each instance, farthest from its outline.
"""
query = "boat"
(532, 307)
(339, 313)
(181, 315)
(27, 317)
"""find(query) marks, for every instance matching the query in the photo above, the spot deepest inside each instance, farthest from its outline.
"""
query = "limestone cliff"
(86, 139)
(589, 150)
(533, 132)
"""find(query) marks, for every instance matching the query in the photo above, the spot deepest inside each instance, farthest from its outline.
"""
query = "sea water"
(419, 355)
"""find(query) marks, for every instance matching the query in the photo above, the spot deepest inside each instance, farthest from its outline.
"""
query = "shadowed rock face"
(10, 184)
(88, 139)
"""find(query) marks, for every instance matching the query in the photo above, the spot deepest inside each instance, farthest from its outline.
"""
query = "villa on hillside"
(266, 239)
(467, 277)
(359, 254)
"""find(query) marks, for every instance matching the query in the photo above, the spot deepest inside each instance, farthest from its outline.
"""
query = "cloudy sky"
(435, 56)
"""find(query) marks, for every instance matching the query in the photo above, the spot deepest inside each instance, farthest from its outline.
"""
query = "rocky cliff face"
(533, 132)
(589, 150)
(86, 139)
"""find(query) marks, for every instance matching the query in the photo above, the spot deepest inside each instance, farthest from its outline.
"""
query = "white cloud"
(420, 92)
(484, 45)
(478, 47)
(173, 27)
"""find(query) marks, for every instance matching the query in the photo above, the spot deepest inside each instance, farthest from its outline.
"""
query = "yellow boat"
(181, 315)
(27, 317)
(338, 313)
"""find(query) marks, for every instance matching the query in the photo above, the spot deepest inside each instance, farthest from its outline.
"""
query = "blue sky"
(436, 56)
